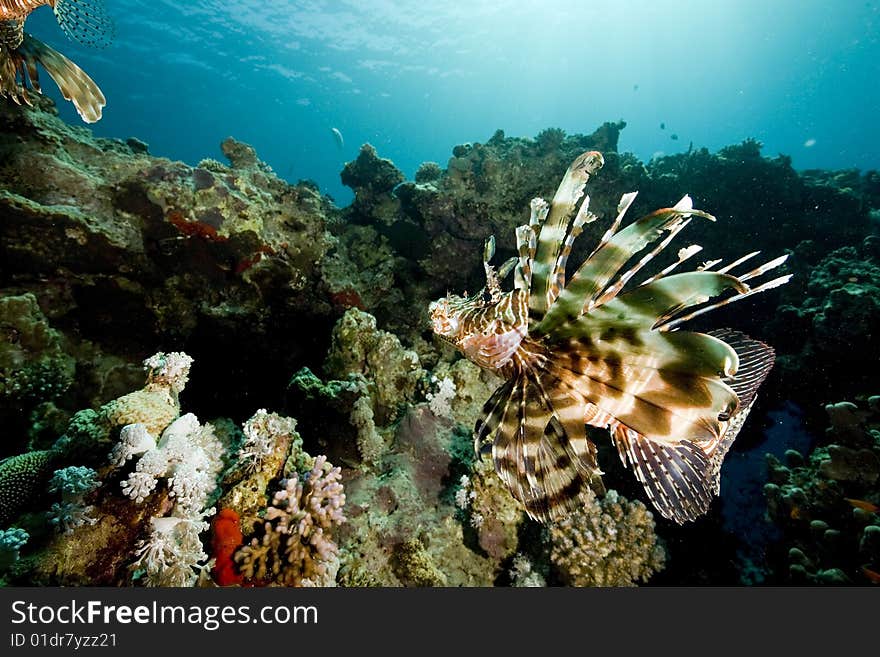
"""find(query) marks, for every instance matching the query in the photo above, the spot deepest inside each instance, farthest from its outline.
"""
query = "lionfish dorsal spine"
(554, 228)
(596, 272)
(583, 216)
(684, 254)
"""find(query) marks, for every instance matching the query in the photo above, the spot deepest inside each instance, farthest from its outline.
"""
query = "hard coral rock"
(609, 542)
(392, 372)
(34, 366)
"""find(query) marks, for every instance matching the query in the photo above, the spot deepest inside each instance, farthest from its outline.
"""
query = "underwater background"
(217, 365)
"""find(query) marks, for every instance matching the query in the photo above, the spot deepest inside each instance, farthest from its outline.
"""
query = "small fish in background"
(635, 87)
(864, 505)
(673, 137)
(872, 575)
(809, 143)
(663, 126)
(85, 21)
(340, 142)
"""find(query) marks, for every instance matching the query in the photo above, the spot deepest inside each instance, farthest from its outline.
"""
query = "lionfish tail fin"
(85, 21)
(75, 85)
(539, 447)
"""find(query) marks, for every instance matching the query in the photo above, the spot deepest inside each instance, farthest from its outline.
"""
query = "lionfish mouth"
(603, 349)
(445, 325)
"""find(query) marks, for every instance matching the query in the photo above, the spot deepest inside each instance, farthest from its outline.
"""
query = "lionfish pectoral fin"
(85, 21)
(677, 477)
(73, 82)
(681, 478)
(544, 466)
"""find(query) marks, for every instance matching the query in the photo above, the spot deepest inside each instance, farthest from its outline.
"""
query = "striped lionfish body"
(596, 351)
(83, 20)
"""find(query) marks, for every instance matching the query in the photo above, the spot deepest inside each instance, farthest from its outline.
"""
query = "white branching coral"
(261, 433)
(72, 484)
(465, 494)
(440, 401)
(370, 444)
(608, 542)
(168, 370)
(188, 455)
(296, 547)
(173, 555)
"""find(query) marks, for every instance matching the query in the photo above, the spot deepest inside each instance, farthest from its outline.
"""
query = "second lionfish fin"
(493, 412)
(85, 21)
(75, 85)
(555, 227)
(676, 476)
(755, 362)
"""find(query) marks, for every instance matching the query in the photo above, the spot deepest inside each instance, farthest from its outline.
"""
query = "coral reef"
(826, 333)
(128, 252)
(110, 254)
(33, 364)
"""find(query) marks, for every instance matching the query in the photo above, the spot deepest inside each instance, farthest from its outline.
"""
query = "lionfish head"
(487, 327)
(446, 316)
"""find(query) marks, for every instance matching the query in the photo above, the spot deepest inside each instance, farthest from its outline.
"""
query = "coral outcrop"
(826, 333)
(609, 542)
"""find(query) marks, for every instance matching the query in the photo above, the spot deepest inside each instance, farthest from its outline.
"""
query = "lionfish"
(596, 351)
(85, 21)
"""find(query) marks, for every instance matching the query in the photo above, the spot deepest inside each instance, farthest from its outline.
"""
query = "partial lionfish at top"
(599, 349)
(85, 21)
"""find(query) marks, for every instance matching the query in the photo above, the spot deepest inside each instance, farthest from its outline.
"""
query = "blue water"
(416, 78)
